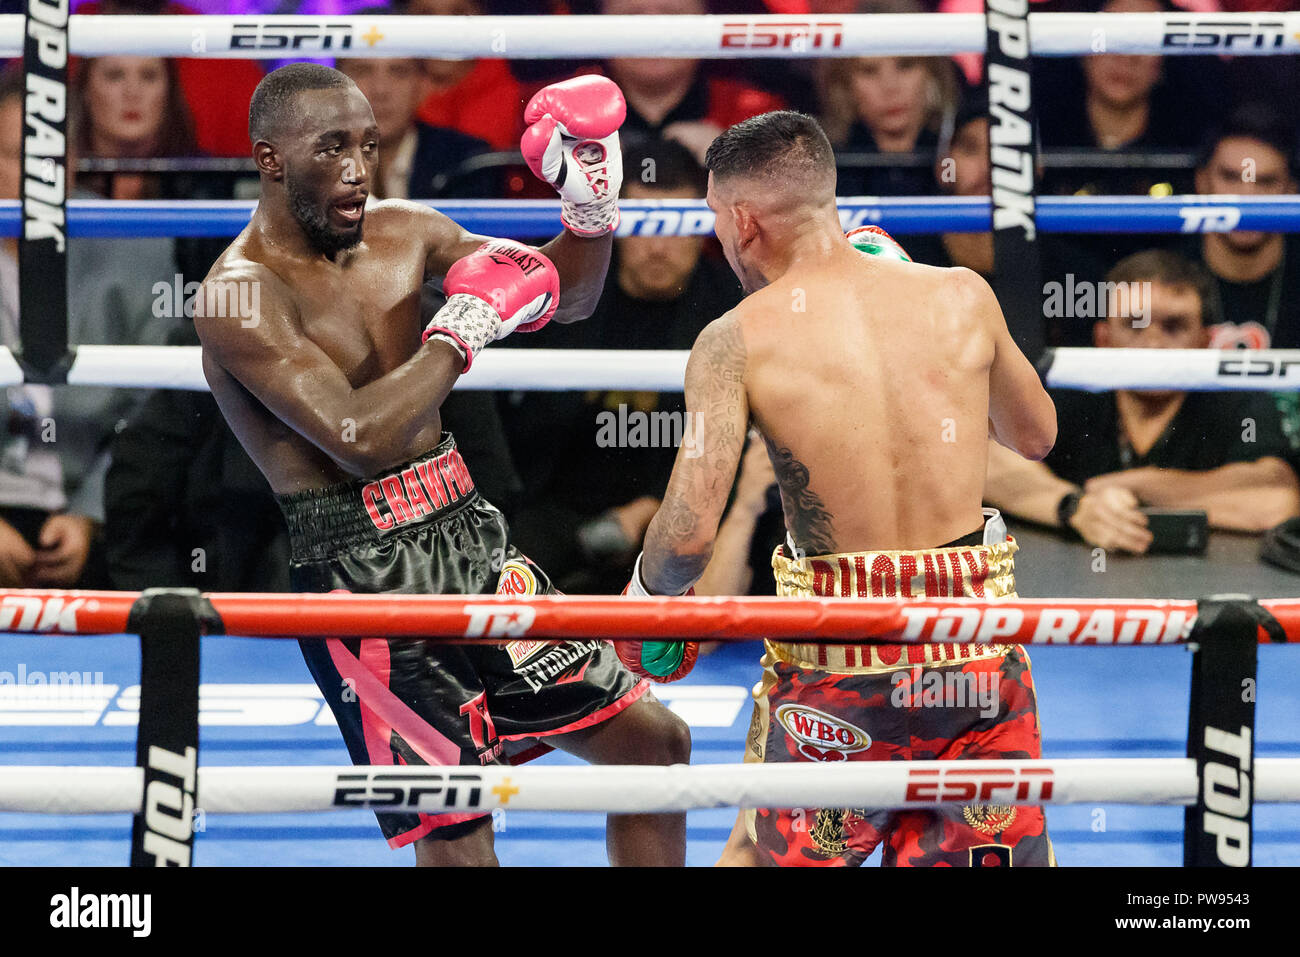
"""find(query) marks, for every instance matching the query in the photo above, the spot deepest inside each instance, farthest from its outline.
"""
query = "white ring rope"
(926, 34)
(1097, 370)
(663, 370)
(639, 789)
(180, 367)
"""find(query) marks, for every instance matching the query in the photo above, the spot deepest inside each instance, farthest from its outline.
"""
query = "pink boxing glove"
(572, 143)
(501, 287)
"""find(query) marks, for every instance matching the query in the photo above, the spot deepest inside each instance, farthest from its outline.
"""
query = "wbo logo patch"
(517, 578)
(820, 736)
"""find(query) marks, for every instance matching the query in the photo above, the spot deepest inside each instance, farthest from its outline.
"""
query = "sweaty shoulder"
(964, 288)
(961, 301)
(403, 217)
(241, 264)
(957, 285)
(396, 222)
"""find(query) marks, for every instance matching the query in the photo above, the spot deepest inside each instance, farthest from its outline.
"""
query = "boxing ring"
(169, 790)
(1214, 777)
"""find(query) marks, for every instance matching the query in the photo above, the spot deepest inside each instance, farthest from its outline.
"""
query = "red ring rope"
(476, 617)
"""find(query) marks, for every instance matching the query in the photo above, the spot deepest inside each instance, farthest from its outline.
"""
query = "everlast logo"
(435, 791)
(1225, 788)
(1209, 35)
(521, 256)
(45, 111)
(416, 491)
(795, 35)
(169, 808)
(1012, 138)
(291, 36)
(979, 784)
(1253, 367)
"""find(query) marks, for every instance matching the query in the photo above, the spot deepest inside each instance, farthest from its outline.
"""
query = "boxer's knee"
(644, 733)
(672, 738)
(654, 735)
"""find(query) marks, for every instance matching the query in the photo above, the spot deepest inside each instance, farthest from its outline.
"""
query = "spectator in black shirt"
(1119, 102)
(593, 483)
(886, 105)
(1116, 104)
(961, 169)
(1118, 451)
(1256, 275)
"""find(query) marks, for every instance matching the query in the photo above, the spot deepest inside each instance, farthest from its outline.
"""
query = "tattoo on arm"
(810, 522)
(680, 539)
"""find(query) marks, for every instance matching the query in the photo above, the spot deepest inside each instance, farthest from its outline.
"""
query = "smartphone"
(1176, 531)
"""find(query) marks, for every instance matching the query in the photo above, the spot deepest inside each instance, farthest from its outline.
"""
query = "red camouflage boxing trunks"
(423, 528)
(899, 703)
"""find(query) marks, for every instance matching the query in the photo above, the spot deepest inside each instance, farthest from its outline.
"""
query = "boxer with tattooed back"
(875, 383)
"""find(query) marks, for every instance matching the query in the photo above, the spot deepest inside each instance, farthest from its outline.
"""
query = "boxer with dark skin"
(330, 381)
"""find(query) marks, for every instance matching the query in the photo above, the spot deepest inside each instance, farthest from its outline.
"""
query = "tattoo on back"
(810, 522)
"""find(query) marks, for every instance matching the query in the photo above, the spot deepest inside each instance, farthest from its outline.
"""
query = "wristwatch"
(1069, 504)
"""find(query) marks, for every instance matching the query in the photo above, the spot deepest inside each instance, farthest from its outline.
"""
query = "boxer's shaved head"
(274, 106)
(783, 157)
(771, 186)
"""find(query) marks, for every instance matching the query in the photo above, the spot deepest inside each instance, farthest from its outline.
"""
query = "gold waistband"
(969, 571)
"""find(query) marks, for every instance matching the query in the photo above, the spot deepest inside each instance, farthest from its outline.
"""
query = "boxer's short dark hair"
(1169, 269)
(782, 143)
(273, 99)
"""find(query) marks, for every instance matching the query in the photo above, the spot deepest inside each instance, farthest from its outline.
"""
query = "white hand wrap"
(637, 587)
(595, 218)
(467, 323)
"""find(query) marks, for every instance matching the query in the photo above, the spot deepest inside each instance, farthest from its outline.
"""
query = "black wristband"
(1065, 510)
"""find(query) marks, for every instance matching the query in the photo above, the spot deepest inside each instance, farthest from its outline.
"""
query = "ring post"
(43, 240)
(1221, 731)
(169, 622)
(1017, 274)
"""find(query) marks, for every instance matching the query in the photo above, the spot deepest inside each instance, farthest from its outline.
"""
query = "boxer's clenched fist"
(572, 143)
(499, 288)
(661, 661)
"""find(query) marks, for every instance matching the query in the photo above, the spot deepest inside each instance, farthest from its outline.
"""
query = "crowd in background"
(114, 488)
